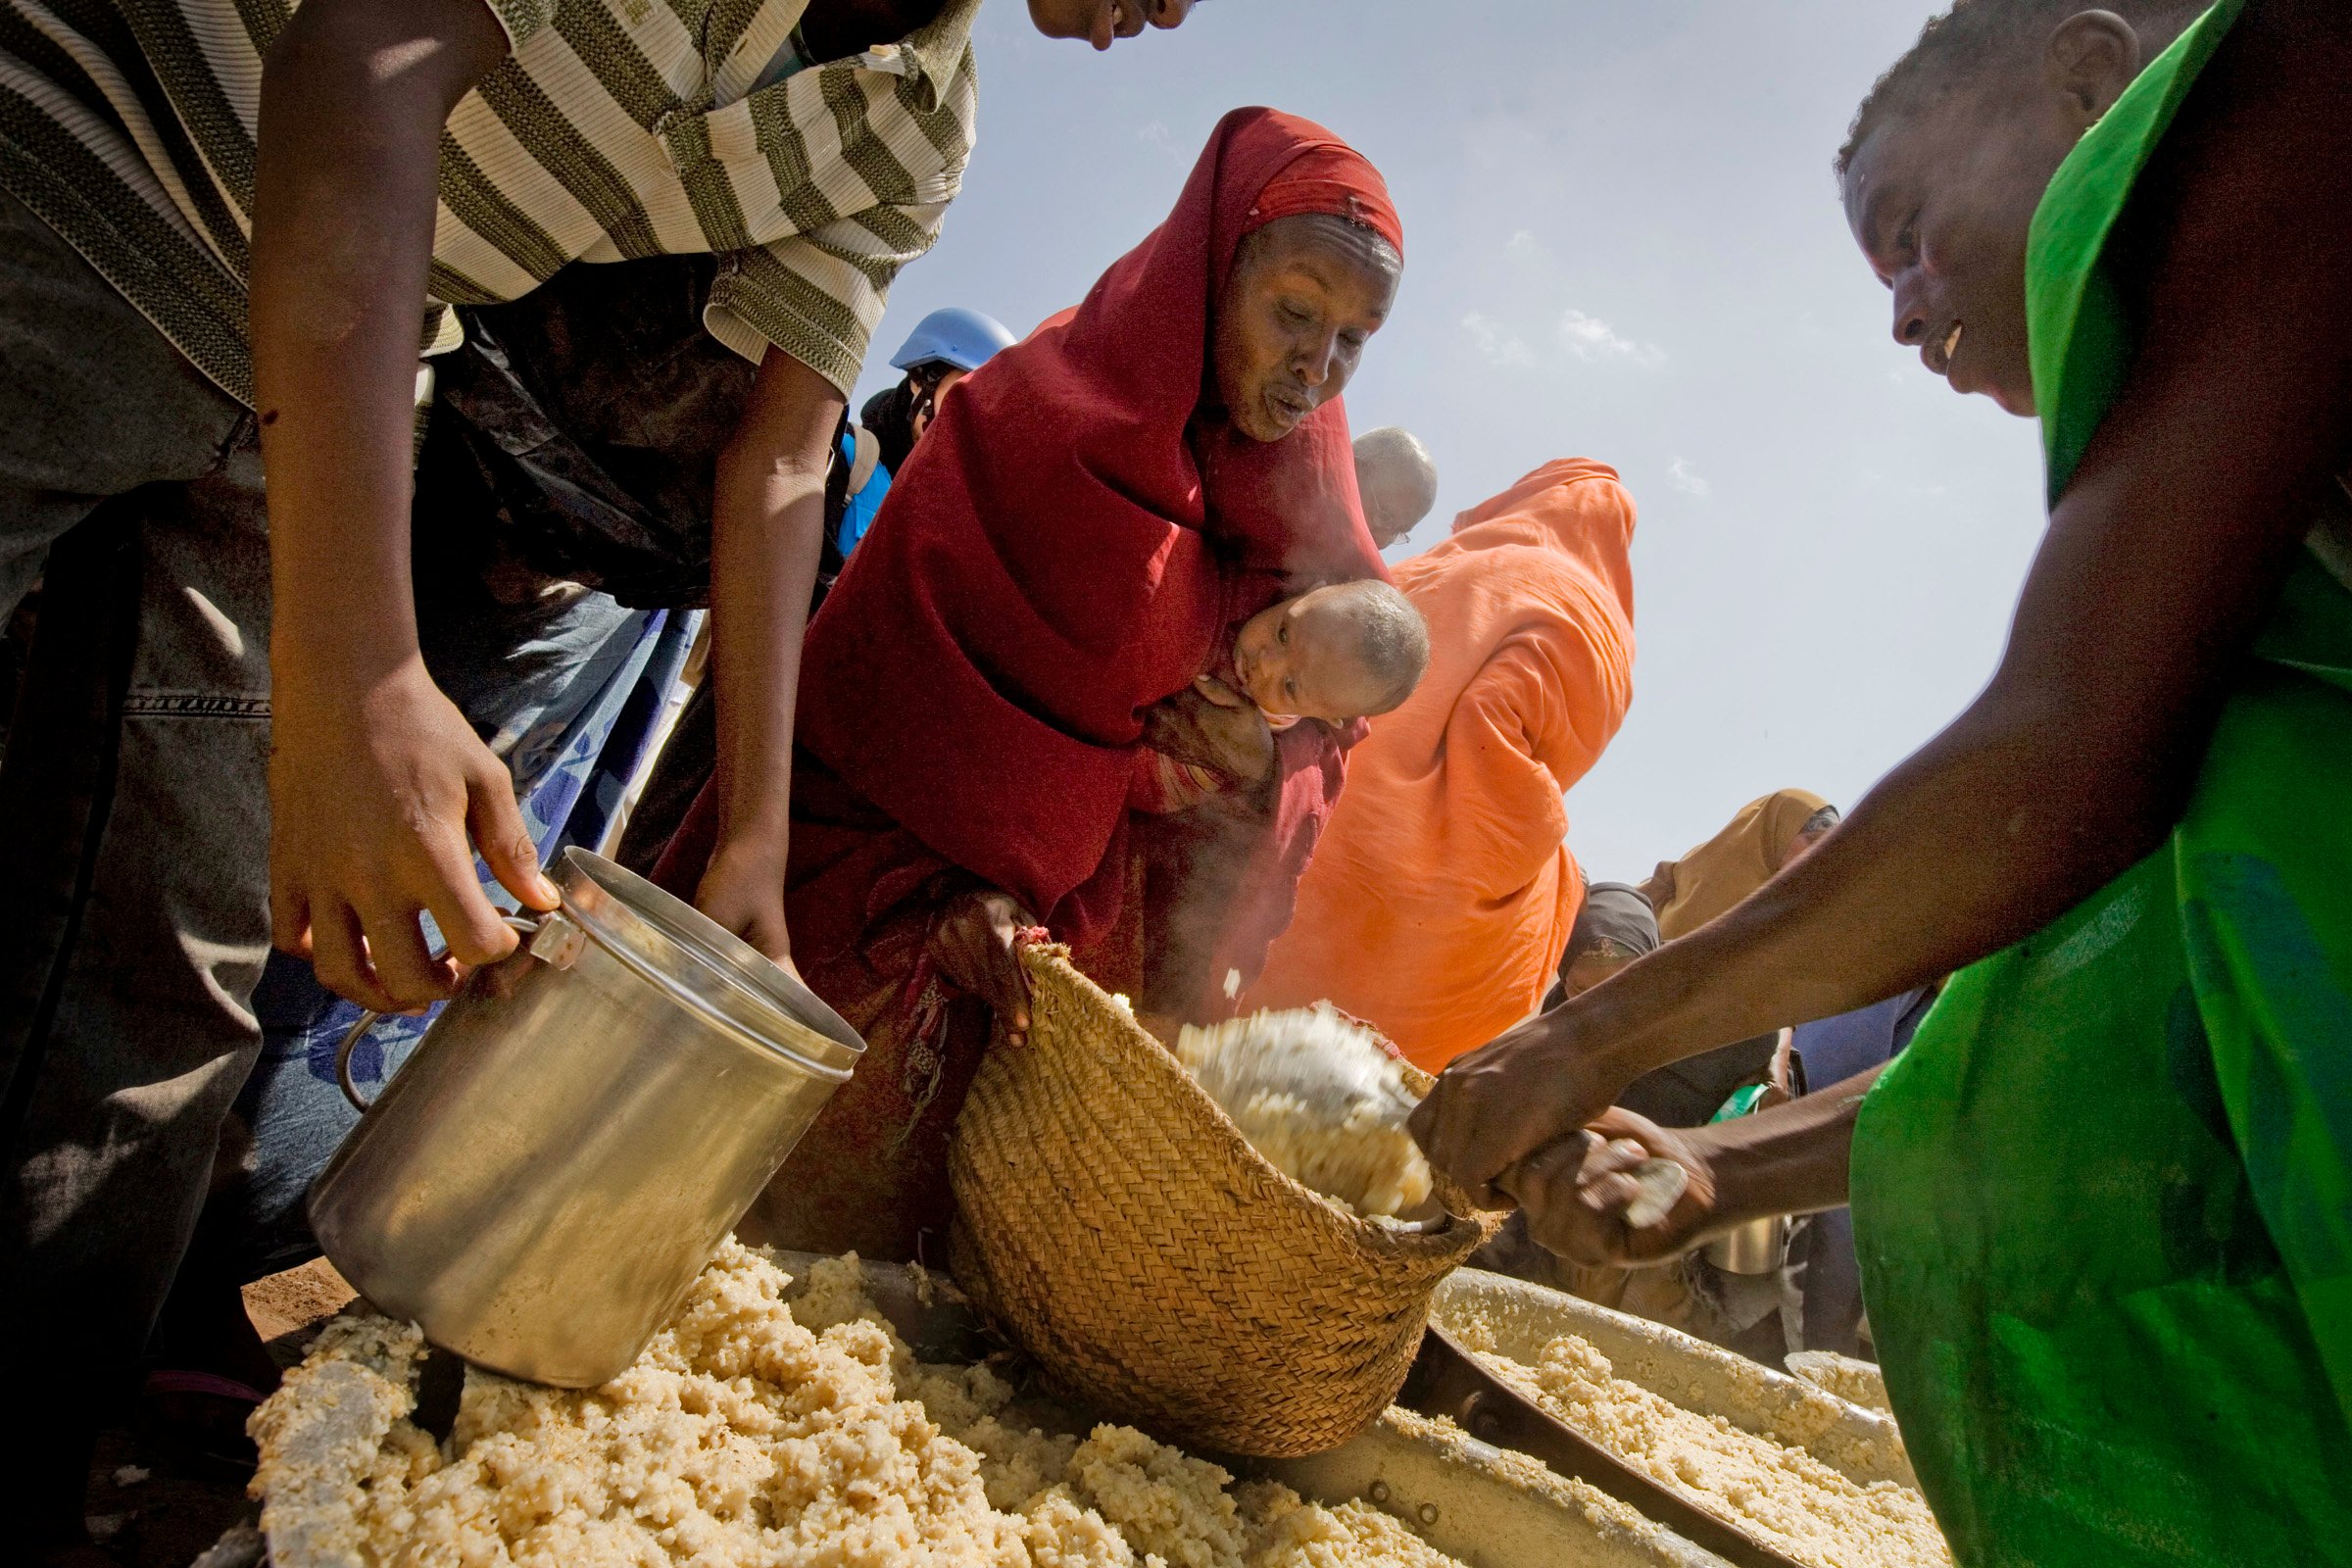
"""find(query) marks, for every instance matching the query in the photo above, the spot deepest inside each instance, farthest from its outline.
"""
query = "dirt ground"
(149, 1512)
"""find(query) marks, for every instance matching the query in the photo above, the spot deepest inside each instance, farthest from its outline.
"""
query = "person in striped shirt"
(228, 227)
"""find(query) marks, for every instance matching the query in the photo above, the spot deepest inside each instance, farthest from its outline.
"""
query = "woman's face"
(1100, 21)
(1305, 295)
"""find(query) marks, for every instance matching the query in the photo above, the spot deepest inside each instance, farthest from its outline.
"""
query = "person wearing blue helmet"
(944, 348)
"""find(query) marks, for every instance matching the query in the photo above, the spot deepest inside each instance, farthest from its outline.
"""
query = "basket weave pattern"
(1112, 1219)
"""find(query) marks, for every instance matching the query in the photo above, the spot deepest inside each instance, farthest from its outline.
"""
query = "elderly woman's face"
(1305, 295)
(1099, 21)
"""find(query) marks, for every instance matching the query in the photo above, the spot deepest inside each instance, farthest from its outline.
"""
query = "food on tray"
(1855, 1382)
(752, 1431)
(1781, 1496)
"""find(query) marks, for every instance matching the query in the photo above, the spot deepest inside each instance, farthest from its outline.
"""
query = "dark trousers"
(135, 820)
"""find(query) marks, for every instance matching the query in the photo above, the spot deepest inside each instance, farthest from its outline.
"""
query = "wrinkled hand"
(743, 889)
(975, 944)
(1575, 1193)
(1491, 1110)
(377, 800)
(1194, 728)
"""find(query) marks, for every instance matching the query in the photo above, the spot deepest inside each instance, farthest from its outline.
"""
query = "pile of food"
(1773, 1492)
(1318, 1097)
(752, 1431)
(1855, 1382)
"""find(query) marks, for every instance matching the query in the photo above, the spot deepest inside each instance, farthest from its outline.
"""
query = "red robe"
(1059, 553)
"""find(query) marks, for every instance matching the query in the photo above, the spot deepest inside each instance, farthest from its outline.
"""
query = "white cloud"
(1523, 242)
(1589, 337)
(1157, 134)
(1494, 341)
(1684, 479)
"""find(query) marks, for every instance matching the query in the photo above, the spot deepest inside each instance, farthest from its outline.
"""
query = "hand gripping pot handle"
(542, 1180)
(550, 938)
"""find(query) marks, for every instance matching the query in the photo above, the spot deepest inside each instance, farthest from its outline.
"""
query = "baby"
(1337, 654)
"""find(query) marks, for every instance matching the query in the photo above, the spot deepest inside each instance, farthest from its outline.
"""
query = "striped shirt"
(615, 128)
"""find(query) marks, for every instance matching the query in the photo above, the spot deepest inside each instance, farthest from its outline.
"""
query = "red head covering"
(1330, 180)
(1067, 544)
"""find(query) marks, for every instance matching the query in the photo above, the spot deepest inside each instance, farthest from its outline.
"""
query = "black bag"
(583, 424)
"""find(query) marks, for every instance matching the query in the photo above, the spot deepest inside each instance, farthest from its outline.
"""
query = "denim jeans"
(133, 803)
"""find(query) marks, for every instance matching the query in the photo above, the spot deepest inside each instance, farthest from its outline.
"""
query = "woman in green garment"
(2104, 1202)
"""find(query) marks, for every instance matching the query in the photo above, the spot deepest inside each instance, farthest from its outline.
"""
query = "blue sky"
(1623, 243)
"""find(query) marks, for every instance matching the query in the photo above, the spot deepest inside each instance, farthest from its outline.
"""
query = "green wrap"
(2104, 1202)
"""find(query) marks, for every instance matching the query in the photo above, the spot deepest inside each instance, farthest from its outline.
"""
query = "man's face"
(1100, 21)
(1591, 969)
(925, 416)
(1389, 514)
(1940, 202)
(1941, 196)
(1305, 297)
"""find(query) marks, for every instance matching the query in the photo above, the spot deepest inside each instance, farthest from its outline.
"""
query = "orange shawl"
(1439, 898)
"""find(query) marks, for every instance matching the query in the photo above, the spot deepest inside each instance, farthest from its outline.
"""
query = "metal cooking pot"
(542, 1180)
(1759, 1247)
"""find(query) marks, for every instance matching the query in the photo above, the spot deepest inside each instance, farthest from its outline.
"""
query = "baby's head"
(1353, 650)
(1951, 154)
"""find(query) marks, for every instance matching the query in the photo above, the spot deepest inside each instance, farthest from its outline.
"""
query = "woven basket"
(1116, 1224)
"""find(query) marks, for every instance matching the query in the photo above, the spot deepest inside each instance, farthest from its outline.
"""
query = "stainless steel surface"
(541, 1181)
(1521, 1319)
(1758, 1247)
(1448, 1381)
(367, 1020)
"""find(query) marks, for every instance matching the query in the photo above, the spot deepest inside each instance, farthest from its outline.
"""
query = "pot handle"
(367, 1020)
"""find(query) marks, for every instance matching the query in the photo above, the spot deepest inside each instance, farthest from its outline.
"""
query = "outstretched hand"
(1529, 1088)
(743, 891)
(977, 944)
(1575, 1193)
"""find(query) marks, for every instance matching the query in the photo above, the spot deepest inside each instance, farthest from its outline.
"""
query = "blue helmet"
(965, 339)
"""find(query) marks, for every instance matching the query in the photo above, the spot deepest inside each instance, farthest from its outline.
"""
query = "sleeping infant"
(1337, 654)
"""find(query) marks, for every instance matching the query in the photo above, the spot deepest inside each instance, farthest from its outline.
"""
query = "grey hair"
(1392, 459)
(1392, 639)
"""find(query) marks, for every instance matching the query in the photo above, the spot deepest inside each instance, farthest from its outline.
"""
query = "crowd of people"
(1086, 635)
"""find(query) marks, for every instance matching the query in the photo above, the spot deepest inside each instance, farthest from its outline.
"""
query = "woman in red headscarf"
(1062, 555)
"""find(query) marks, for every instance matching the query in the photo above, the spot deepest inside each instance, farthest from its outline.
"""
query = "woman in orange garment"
(1441, 893)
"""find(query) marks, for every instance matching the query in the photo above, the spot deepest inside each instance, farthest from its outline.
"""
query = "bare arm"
(1791, 1160)
(768, 533)
(2161, 564)
(376, 781)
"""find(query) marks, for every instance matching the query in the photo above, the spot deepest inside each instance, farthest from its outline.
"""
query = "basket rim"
(1445, 1238)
